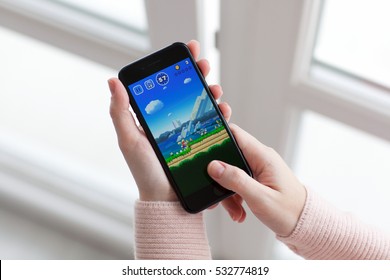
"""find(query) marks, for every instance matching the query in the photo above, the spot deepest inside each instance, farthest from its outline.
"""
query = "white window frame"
(86, 36)
(266, 49)
(98, 40)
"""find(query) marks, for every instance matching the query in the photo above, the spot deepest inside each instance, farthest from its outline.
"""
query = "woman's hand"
(151, 180)
(274, 194)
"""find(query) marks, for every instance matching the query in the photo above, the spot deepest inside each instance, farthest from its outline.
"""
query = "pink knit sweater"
(163, 230)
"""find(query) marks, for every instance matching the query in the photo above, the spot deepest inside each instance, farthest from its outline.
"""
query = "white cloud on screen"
(154, 106)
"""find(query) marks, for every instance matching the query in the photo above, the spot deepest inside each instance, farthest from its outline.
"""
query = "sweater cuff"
(163, 230)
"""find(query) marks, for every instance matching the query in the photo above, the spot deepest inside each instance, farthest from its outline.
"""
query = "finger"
(239, 201)
(225, 110)
(204, 66)
(256, 153)
(234, 208)
(194, 47)
(124, 123)
(246, 140)
(216, 90)
(238, 198)
(237, 180)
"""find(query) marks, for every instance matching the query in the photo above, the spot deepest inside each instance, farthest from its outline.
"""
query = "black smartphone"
(182, 122)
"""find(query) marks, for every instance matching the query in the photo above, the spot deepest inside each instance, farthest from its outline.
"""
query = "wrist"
(158, 195)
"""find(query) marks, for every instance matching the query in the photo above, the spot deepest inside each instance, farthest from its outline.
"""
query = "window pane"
(354, 38)
(129, 13)
(54, 111)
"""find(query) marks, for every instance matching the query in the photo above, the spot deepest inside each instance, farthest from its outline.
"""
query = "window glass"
(353, 39)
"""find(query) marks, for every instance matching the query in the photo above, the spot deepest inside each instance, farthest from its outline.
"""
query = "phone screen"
(187, 128)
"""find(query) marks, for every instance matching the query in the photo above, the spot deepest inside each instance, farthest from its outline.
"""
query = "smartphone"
(183, 123)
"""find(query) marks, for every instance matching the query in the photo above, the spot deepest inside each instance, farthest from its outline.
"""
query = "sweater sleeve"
(163, 230)
(323, 232)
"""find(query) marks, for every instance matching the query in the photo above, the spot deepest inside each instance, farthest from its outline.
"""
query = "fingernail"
(216, 169)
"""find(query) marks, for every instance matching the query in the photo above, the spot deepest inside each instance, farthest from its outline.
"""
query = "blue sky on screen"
(162, 104)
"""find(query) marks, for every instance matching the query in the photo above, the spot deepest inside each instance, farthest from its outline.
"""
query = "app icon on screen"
(138, 89)
(162, 78)
(149, 84)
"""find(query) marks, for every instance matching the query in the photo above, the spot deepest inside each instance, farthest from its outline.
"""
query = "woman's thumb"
(233, 178)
